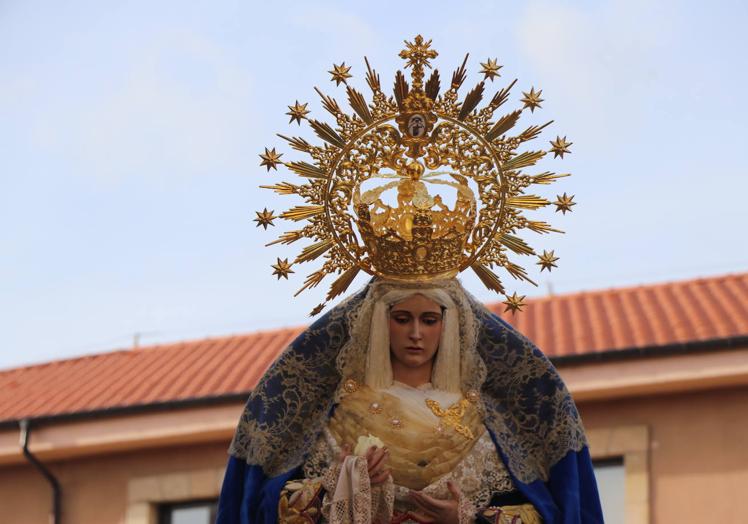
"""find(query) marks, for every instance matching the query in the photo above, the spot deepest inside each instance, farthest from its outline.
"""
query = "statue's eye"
(430, 320)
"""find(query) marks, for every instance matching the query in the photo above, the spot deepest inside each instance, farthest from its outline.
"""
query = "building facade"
(659, 373)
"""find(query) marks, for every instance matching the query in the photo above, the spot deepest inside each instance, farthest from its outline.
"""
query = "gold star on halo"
(270, 158)
(514, 303)
(564, 203)
(297, 112)
(282, 268)
(340, 73)
(317, 310)
(532, 99)
(560, 147)
(490, 69)
(547, 261)
(265, 218)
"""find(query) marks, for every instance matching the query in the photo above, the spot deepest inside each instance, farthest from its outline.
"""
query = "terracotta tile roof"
(573, 324)
(636, 317)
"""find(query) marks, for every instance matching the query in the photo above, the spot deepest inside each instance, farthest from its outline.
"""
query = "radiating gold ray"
(504, 124)
(518, 272)
(372, 78)
(532, 132)
(299, 144)
(312, 280)
(547, 177)
(341, 284)
(327, 133)
(458, 77)
(283, 188)
(306, 170)
(516, 244)
(541, 227)
(314, 251)
(358, 103)
(472, 100)
(527, 202)
(401, 88)
(526, 159)
(433, 85)
(488, 277)
(317, 309)
(302, 212)
(287, 238)
(501, 96)
(329, 103)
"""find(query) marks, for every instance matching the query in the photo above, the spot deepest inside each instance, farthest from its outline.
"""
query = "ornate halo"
(415, 186)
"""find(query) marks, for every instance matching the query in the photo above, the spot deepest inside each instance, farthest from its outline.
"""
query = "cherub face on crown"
(416, 126)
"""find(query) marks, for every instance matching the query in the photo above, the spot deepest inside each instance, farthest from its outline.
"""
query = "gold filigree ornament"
(415, 186)
(452, 416)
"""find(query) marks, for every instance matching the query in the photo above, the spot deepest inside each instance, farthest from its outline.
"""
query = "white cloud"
(183, 107)
(602, 59)
(339, 30)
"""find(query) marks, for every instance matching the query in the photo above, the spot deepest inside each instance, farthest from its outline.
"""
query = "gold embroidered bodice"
(420, 451)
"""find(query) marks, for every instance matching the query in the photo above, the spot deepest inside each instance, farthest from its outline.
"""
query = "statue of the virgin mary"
(409, 401)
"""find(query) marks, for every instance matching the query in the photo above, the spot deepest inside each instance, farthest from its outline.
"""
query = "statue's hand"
(376, 459)
(438, 511)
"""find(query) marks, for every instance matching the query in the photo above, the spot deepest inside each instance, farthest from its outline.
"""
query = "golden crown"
(392, 191)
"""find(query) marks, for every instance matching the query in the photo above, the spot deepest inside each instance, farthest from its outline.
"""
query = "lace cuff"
(350, 498)
(465, 511)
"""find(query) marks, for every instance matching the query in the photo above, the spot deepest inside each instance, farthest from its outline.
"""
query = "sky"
(130, 134)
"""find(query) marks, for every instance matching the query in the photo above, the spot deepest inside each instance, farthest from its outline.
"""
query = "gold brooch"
(350, 386)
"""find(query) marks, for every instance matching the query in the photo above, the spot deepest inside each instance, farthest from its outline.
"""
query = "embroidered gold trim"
(452, 416)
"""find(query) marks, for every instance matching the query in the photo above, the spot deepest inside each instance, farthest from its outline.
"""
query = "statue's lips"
(414, 349)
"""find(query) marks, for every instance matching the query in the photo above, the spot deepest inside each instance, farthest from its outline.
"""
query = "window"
(196, 512)
(186, 497)
(620, 455)
(611, 480)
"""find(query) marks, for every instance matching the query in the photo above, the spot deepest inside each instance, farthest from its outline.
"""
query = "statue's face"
(415, 330)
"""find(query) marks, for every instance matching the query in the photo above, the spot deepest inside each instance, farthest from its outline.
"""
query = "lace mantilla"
(523, 400)
(528, 408)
